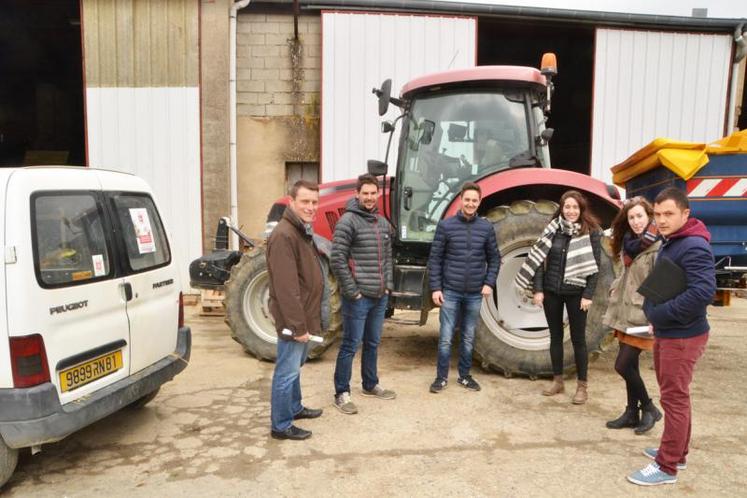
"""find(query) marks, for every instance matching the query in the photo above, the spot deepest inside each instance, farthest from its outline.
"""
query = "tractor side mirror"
(545, 136)
(384, 94)
(377, 168)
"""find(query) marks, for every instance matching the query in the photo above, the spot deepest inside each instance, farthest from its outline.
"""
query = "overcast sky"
(730, 9)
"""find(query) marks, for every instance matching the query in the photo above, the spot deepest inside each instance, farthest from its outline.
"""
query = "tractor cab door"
(451, 138)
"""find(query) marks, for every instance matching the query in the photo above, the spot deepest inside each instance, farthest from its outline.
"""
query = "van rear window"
(143, 232)
(69, 242)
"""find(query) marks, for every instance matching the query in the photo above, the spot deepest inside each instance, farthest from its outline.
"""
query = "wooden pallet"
(190, 299)
(211, 303)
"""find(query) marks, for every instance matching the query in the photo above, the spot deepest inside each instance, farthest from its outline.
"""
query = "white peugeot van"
(91, 316)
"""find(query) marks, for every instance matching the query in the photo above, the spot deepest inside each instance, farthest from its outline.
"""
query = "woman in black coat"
(561, 270)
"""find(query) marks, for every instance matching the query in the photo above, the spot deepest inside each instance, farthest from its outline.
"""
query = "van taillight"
(181, 310)
(28, 360)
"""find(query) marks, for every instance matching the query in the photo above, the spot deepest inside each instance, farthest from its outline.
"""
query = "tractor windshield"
(453, 138)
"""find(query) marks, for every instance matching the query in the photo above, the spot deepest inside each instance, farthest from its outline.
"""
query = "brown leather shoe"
(581, 395)
(556, 387)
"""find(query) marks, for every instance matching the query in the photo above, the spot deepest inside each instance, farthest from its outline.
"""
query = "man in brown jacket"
(296, 289)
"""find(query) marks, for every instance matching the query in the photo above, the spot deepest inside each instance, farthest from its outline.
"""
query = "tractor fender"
(550, 179)
(333, 197)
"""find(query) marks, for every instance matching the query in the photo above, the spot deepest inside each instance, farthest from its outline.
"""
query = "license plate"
(80, 375)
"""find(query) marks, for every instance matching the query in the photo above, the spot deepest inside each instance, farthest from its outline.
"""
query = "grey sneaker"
(379, 392)
(651, 475)
(652, 452)
(345, 404)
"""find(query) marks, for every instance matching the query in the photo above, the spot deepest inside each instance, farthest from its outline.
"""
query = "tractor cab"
(462, 126)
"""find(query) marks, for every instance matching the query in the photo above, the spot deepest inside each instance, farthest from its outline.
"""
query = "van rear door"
(63, 284)
(149, 272)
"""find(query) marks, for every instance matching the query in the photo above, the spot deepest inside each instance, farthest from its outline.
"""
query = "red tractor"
(485, 124)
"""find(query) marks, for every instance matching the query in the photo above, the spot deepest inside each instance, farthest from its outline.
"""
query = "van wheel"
(144, 400)
(8, 461)
(248, 312)
(512, 335)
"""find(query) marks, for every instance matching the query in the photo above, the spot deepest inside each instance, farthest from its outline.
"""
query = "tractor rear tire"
(247, 311)
(512, 335)
(8, 462)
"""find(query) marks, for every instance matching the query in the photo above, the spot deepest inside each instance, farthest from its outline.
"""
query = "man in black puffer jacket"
(463, 267)
(362, 262)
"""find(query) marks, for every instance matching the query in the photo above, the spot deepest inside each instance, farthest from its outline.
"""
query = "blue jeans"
(362, 320)
(456, 306)
(286, 383)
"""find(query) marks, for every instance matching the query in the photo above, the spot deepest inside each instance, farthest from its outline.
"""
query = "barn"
(220, 105)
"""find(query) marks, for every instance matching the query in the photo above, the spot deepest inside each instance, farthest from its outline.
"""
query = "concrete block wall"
(278, 99)
(265, 72)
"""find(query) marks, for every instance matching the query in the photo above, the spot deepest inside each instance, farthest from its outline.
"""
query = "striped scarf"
(579, 262)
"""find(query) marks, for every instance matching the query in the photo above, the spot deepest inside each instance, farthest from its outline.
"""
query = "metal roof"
(571, 16)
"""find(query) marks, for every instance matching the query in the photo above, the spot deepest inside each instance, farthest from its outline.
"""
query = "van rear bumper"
(33, 416)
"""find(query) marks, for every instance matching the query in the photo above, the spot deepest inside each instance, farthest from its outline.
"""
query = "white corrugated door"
(650, 84)
(154, 133)
(359, 51)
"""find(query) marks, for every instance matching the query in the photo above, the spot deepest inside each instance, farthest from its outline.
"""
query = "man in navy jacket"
(463, 267)
(681, 331)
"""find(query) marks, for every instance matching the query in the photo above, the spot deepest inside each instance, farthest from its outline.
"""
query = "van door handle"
(127, 291)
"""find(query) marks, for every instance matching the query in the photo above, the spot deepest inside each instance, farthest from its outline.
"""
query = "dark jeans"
(457, 306)
(674, 361)
(286, 383)
(553, 306)
(627, 366)
(362, 320)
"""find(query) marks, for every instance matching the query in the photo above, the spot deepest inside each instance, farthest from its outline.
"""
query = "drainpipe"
(739, 53)
(233, 176)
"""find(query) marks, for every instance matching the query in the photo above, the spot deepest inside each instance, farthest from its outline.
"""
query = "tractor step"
(405, 294)
(403, 321)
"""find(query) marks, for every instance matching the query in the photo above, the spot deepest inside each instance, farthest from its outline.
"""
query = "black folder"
(665, 281)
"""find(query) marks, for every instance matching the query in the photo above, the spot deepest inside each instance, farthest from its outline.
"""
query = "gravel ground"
(206, 434)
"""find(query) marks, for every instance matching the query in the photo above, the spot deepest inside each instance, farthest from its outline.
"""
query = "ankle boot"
(629, 418)
(556, 387)
(650, 415)
(581, 395)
